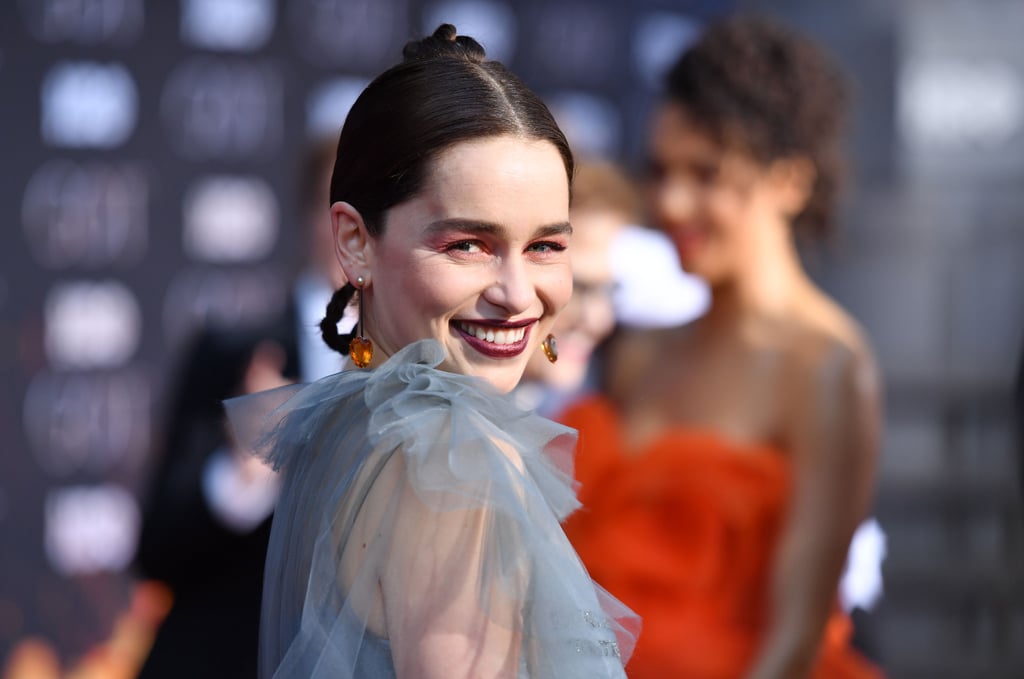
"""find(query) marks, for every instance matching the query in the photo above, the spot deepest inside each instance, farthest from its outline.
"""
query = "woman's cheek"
(564, 284)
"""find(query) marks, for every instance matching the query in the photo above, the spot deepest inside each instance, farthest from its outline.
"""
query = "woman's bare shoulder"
(830, 350)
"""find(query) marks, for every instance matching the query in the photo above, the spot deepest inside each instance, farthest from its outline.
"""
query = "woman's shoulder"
(829, 351)
(836, 329)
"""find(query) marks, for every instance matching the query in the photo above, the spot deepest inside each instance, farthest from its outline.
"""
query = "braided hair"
(445, 91)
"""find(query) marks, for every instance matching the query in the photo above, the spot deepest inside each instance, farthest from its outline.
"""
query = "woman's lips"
(688, 242)
(496, 339)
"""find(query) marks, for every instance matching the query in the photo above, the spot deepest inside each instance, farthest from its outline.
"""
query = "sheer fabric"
(417, 533)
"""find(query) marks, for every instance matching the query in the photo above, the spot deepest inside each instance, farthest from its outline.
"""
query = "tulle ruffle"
(410, 491)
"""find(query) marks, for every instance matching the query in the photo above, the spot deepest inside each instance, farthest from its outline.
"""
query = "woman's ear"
(353, 243)
(794, 179)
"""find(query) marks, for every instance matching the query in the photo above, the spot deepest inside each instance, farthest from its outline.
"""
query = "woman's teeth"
(500, 336)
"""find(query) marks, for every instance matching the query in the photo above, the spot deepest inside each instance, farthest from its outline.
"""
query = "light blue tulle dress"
(419, 525)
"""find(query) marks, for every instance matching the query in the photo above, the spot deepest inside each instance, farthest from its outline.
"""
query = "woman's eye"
(655, 170)
(706, 173)
(547, 246)
(469, 246)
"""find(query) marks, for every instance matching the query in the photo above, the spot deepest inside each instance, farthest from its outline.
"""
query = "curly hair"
(760, 88)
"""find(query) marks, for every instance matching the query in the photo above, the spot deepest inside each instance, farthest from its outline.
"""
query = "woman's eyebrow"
(469, 225)
(558, 229)
(493, 229)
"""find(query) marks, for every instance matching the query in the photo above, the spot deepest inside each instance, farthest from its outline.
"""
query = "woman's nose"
(675, 200)
(513, 289)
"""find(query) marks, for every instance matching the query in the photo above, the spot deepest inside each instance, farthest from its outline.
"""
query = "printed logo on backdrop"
(576, 43)
(328, 105)
(492, 24)
(90, 214)
(959, 104)
(91, 325)
(88, 422)
(658, 41)
(359, 35)
(90, 529)
(88, 105)
(231, 25)
(591, 123)
(219, 297)
(230, 219)
(116, 22)
(227, 25)
(223, 108)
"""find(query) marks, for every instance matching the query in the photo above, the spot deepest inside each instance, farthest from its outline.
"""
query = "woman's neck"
(767, 285)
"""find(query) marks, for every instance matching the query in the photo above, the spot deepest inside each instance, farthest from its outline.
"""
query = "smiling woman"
(417, 534)
(468, 261)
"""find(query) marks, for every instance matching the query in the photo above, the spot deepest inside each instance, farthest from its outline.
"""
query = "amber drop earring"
(550, 347)
(360, 348)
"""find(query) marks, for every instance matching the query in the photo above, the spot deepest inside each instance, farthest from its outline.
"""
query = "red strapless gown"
(683, 532)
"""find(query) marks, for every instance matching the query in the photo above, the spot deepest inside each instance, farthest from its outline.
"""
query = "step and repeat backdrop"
(149, 163)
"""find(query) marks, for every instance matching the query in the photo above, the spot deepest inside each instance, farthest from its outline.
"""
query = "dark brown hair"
(760, 88)
(444, 92)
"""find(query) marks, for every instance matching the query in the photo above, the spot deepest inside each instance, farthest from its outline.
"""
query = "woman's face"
(478, 260)
(714, 203)
(589, 316)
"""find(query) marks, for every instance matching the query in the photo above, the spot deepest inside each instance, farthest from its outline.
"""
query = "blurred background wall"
(148, 161)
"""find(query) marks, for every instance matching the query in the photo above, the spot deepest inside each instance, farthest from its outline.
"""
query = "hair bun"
(445, 43)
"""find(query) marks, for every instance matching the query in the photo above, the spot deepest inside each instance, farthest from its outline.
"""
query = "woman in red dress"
(725, 473)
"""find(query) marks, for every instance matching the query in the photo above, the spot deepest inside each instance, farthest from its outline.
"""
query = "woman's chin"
(708, 269)
(693, 264)
(502, 380)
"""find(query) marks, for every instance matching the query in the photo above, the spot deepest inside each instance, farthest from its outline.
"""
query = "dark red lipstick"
(492, 349)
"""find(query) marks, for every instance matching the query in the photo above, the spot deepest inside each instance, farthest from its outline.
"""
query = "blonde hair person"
(604, 202)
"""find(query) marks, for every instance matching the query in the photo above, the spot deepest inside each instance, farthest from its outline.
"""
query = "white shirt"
(652, 290)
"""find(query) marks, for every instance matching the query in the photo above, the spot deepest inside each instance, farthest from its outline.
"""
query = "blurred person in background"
(604, 202)
(726, 471)
(624, 276)
(119, 656)
(206, 519)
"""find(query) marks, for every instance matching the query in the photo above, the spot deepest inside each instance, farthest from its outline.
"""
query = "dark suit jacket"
(215, 574)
